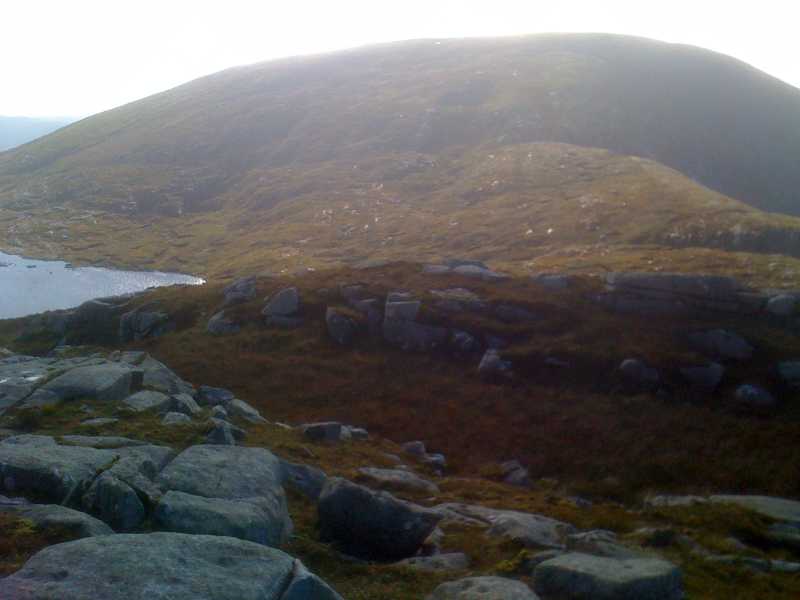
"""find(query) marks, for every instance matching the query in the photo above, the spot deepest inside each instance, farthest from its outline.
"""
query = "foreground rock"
(107, 382)
(583, 577)
(54, 516)
(372, 525)
(163, 565)
(483, 588)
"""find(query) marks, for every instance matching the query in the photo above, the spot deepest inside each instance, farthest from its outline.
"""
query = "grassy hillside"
(15, 131)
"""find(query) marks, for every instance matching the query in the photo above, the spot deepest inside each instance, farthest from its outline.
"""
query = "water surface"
(29, 286)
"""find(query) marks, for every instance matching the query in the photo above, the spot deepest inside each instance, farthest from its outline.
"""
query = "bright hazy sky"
(78, 57)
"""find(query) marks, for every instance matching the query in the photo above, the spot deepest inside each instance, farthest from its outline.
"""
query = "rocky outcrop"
(577, 576)
(372, 525)
(673, 293)
(180, 566)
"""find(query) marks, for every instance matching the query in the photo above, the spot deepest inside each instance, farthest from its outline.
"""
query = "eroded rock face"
(372, 525)
(483, 588)
(163, 565)
(578, 576)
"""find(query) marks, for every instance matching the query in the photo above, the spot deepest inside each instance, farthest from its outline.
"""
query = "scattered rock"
(404, 310)
(240, 408)
(308, 480)
(721, 344)
(530, 530)
(219, 412)
(483, 588)
(494, 368)
(599, 543)
(184, 403)
(282, 309)
(140, 324)
(328, 431)
(219, 324)
(176, 418)
(224, 434)
(515, 474)
(341, 328)
(453, 561)
(240, 291)
(148, 400)
(414, 337)
(372, 525)
(397, 480)
(704, 378)
(212, 396)
(636, 373)
(754, 397)
(261, 520)
(185, 567)
(578, 576)
(782, 305)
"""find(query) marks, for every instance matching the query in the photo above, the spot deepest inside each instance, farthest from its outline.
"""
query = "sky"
(79, 57)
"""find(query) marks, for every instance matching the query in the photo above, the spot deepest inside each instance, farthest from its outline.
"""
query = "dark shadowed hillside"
(716, 119)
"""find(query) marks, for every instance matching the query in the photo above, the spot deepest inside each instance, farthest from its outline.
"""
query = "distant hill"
(281, 162)
(15, 131)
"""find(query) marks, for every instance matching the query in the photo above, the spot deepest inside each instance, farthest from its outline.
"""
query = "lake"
(29, 286)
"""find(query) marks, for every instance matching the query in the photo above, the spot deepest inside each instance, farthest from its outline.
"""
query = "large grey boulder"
(483, 588)
(184, 403)
(163, 565)
(264, 520)
(160, 378)
(529, 529)
(107, 382)
(579, 576)
(230, 472)
(326, 431)
(372, 525)
(341, 327)
(219, 324)
(284, 303)
(721, 344)
(48, 516)
(37, 465)
(397, 480)
(20, 376)
(239, 291)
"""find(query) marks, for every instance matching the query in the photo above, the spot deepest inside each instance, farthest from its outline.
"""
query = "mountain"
(15, 131)
(422, 148)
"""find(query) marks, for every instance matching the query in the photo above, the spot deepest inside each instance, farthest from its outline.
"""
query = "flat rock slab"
(583, 577)
(54, 516)
(530, 530)
(163, 566)
(780, 509)
(41, 467)
(223, 472)
(106, 382)
(148, 400)
(483, 588)
(261, 520)
(397, 480)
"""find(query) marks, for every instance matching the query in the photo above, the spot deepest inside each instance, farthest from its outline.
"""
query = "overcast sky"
(79, 57)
